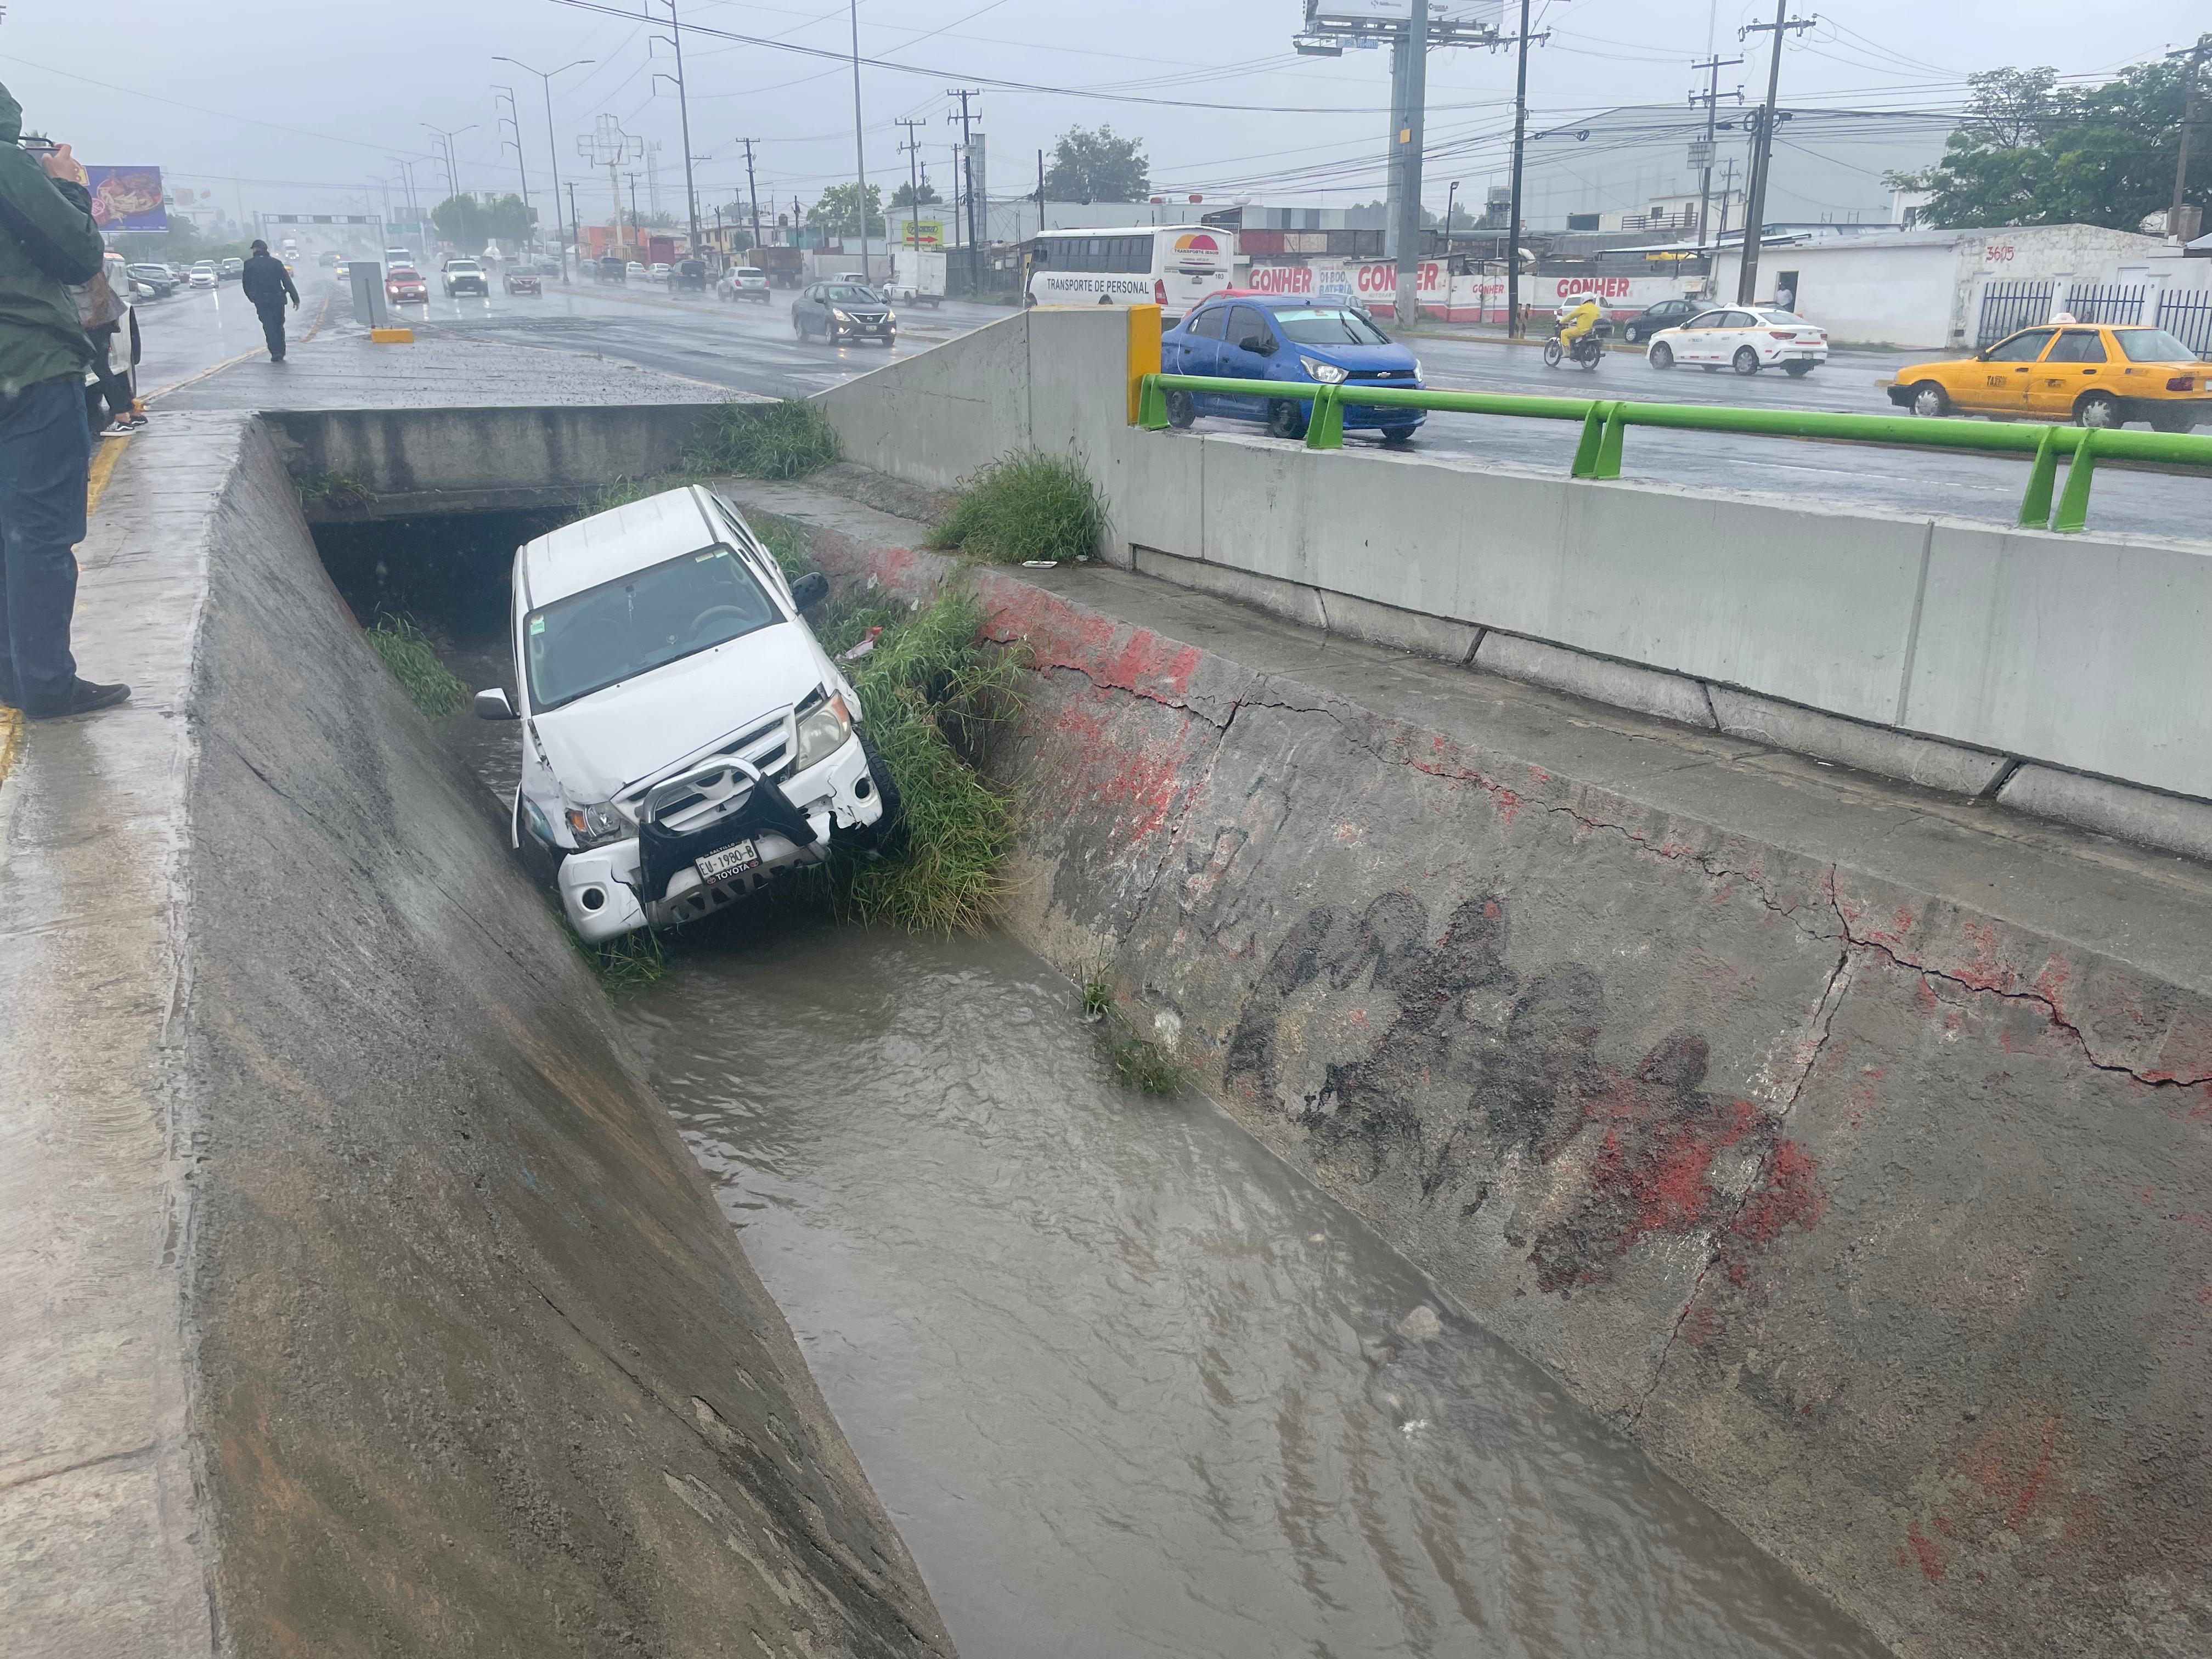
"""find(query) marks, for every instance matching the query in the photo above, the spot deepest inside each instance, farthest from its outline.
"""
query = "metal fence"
(2188, 318)
(2008, 308)
(2105, 302)
(1605, 421)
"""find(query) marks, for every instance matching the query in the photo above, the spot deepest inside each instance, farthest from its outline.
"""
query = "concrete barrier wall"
(460, 460)
(2073, 651)
(434, 1335)
(1852, 1159)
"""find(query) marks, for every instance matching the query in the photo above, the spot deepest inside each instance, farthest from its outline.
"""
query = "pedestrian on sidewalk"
(47, 241)
(266, 283)
(111, 323)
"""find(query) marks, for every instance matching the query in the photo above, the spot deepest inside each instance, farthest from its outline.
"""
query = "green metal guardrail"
(1604, 422)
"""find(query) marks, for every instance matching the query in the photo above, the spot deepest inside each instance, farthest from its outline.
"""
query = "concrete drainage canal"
(1128, 1384)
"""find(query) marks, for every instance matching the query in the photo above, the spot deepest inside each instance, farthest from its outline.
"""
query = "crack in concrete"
(1823, 1021)
(2051, 1009)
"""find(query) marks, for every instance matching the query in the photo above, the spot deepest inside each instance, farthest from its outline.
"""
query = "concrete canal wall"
(2061, 673)
(1850, 1148)
(362, 1296)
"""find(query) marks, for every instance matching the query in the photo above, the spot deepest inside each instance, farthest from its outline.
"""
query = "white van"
(1172, 266)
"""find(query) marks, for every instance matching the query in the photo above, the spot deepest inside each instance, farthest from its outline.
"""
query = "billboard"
(923, 233)
(1481, 13)
(126, 199)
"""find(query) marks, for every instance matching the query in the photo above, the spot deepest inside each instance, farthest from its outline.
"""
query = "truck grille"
(712, 786)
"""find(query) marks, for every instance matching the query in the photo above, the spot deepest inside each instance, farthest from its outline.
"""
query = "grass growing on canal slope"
(407, 652)
(784, 439)
(1026, 505)
(933, 690)
(631, 963)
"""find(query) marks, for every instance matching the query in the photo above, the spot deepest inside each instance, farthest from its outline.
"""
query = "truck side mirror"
(810, 589)
(491, 704)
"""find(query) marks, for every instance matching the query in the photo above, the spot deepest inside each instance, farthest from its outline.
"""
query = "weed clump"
(932, 691)
(619, 492)
(787, 439)
(628, 963)
(1026, 505)
(407, 652)
(338, 490)
(1146, 1067)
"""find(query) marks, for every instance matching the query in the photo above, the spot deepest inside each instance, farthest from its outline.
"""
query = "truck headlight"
(1326, 373)
(824, 725)
(596, 824)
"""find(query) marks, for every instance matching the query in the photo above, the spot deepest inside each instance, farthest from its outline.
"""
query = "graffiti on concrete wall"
(1414, 1054)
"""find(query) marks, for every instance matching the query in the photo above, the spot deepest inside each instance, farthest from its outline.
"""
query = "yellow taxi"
(2089, 373)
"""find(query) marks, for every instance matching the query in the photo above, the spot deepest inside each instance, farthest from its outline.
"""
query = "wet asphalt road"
(750, 346)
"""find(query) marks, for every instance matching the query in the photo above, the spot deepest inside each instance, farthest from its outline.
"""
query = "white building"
(1941, 289)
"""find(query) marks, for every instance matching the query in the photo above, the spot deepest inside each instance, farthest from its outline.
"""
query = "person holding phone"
(48, 242)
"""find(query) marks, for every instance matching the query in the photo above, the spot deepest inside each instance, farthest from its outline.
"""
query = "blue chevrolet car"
(1267, 337)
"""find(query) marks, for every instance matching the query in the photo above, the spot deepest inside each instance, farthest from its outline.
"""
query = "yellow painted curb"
(392, 336)
(103, 468)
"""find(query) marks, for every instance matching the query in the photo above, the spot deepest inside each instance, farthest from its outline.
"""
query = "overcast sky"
(297, 109)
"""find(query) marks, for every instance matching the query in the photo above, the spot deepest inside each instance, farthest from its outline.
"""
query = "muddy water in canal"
(1128, 1385)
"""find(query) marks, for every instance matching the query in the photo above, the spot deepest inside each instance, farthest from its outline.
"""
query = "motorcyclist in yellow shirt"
(1581, 320)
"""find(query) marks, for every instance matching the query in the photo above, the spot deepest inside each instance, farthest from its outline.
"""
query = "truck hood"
(602, 744)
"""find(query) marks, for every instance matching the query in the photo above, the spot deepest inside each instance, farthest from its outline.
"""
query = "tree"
(832, 212)
(1096, 167)
(468, 223)
(2031, 152)
(907, 196)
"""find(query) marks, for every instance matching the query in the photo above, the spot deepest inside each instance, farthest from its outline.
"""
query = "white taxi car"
(686, 739)
(1746, 338)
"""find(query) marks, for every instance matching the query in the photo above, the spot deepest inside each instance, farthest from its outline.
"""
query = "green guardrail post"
(1152, 405)
(2073, 504)
(1609, 448)
(1593, 438)
(1325, 429)
(2042, 479)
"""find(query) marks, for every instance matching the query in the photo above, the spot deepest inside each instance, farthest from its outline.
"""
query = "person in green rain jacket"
(48, 241)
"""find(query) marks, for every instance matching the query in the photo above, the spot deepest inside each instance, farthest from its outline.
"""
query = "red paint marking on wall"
(1932, 1556)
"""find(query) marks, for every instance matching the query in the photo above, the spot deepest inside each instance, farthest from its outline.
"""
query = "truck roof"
(632, 536)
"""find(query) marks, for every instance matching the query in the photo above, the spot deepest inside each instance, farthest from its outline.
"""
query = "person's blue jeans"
(46, 457)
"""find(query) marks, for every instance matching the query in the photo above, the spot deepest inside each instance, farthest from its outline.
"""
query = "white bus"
(1172, 266)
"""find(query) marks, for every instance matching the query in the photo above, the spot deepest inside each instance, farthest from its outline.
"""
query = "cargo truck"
(917, 277)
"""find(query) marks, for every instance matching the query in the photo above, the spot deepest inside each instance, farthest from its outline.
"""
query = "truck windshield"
(1330, 328)
(641, 622)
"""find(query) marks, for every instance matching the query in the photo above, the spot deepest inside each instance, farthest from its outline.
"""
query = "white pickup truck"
(685, 740)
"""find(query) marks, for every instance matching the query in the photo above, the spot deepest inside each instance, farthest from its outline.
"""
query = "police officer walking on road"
(266, 283)
(47, 241)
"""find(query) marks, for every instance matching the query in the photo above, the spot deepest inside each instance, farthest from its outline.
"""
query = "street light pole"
(452, 173)
(1522, 41)
(545, 79)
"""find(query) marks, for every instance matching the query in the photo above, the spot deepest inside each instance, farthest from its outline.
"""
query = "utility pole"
(1762, 153)
(514, 118)
(635, 238)
(606, 145)
(578, 224)
(963, 170)
(675, 38)
(1710, 99)
(1727, 193)
(1405, 152)
(2195, 55)
(752, 191)
(912, 146)
(453, 174)
(1520, 43)
(552, 154)
(1041, 194)
(860, 154)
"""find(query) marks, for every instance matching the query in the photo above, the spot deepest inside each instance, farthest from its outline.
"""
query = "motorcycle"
(1587, 349)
